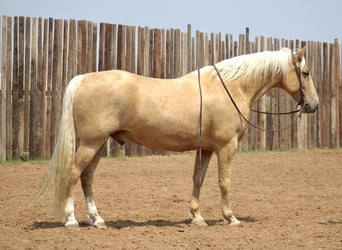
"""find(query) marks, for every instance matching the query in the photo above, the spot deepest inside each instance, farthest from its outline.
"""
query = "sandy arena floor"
(285, 200)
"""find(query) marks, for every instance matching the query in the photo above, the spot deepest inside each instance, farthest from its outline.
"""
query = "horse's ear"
(298, 56)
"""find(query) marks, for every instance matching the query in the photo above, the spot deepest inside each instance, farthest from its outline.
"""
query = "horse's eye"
(305, 74)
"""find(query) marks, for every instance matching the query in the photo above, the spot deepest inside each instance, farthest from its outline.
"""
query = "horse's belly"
(157, 141)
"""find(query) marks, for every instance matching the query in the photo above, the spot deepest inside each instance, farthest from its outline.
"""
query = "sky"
(309, 20)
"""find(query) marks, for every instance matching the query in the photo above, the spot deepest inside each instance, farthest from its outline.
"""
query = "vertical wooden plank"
(206, 49)
(26, 86)
(200, 49)
(121, 62)
(72, 50)
(248, 49)
(33, 95)
(193, 52)
(65, 56)
(140, 53)
(39, 95)
(184, 60)
(332, 98)
(8, 83)
(18, 89)
(338, 89)
(42, 88)
(15, 85)
(157, 53)
(318, 80)
(189, 49)
(82, 64)
(325, 100)
(3, 89)
(95, 39)
(151, 69)
(21, 108)
(242, 44)
(146, 51)
(231, 46)
(90, 53)
(91, 46)
(227, 49)
(168, 48)
(177, 51)
(101, 46)
(49, 144)
(211, 51)
(163, 57)
(56, 84)
(108, 48)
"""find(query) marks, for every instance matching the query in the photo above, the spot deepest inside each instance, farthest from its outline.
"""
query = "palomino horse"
(165, 115)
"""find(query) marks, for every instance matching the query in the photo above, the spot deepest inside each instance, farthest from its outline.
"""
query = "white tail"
(59, 170)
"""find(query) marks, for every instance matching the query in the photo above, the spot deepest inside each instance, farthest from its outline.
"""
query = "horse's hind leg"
(84, 156)
(200, 170)
(87, 179)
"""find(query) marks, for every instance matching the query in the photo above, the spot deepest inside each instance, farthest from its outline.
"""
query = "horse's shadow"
(119, 224)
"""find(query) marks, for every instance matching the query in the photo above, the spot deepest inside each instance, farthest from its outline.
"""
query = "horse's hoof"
(100, 224)
(96, 221)
(199, 222)
(73, 225)
(233, 222)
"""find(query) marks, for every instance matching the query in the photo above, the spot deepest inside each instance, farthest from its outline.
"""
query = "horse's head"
(299, 84)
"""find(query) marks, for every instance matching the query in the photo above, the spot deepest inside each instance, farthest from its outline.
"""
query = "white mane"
(263, 64)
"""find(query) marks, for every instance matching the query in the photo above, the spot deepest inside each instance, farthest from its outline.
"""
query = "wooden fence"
(40, 56)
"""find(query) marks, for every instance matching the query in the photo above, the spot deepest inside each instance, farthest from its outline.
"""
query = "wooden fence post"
(56, 83)
(3, 90)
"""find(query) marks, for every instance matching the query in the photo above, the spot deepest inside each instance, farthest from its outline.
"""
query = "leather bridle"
(242, 116)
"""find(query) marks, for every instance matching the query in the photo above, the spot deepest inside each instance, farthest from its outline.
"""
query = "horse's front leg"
(200, 170)
(224, 157)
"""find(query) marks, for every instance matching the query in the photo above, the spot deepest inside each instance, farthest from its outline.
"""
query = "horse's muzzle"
(307, 108)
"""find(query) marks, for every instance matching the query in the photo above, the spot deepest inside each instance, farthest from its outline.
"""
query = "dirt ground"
(285, 200)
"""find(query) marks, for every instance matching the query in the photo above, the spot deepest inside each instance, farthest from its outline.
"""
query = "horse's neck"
(254, 88)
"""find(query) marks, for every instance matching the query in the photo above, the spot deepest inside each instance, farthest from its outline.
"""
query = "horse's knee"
(224, 185)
